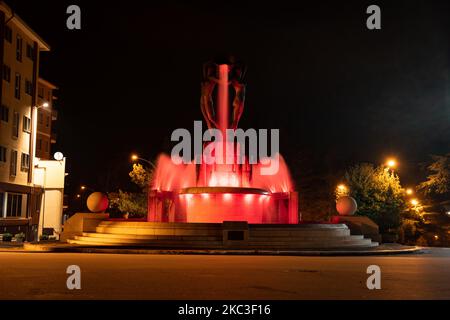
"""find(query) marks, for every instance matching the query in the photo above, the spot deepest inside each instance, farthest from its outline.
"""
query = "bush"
(43, 237)
(7, 237)
(20, 236)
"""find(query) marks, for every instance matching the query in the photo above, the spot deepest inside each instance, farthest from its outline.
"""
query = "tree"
(379, 195)
(141, 176)
(133, 203)
(438, 182)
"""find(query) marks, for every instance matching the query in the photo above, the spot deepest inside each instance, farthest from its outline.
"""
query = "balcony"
(54, 115)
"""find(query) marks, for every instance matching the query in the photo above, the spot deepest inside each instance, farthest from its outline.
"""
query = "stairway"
(211, 236)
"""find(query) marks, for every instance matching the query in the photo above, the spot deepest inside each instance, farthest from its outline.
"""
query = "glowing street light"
(83, 187)
(342, 187)
(414, 202)
(135, 157)
(409, 191)
(391, 163)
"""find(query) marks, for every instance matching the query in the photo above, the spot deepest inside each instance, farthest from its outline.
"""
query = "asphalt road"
(114, 276)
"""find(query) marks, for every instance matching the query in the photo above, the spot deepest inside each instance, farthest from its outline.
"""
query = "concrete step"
(159, 231)
(151, 237)
(281, 232)
(79, 240)
(306, 238)
(338, 242)
(144, 241)
(158, 225)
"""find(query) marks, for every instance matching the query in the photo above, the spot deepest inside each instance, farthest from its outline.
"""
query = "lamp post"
(135, 157)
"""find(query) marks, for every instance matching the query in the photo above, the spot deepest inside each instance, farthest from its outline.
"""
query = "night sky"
(338, 92)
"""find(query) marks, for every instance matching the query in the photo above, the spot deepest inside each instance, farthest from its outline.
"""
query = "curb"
(36, 248)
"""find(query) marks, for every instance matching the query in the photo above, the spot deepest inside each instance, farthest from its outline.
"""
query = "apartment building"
(20, 49)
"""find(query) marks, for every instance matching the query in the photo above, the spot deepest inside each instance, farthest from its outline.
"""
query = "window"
(2, 200)
(14, 205)
(41, 118)
(4, 113)
(28, 87)
(6, 73)
(47, 121)
(30, 52)
(41, 93)
(17, 86)
(13, 164)
(26, 124)
(19, 43)
(25, 162)
(2, 154)
(46, 145)
(8, 34)
(15, 128)
(39, 144)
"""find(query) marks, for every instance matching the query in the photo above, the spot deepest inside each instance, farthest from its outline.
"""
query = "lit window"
(26, 124)
(28, 87)
(25, 162)
(14, 205)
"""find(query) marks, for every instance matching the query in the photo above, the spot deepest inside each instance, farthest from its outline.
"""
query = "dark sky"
(339, 93)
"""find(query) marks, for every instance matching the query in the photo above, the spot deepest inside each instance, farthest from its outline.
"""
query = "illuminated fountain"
(230, 187)
(218, 199)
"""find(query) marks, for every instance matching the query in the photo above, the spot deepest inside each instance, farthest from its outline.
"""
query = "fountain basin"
(218, 204)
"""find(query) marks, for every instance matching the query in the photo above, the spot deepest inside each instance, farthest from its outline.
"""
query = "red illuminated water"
(274, 202)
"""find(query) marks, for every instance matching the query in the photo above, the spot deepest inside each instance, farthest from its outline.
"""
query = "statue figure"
(209, 82)
(239, 97)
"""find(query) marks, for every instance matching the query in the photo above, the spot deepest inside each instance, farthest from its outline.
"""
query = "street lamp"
(414, 202)
(135, 158)
(409, 191)
(342, 188)
(391, 163)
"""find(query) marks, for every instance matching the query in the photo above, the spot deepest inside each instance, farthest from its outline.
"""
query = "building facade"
(20, 198)
(45, 117)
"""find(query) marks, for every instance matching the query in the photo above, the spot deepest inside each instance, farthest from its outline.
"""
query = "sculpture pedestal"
(360, 225)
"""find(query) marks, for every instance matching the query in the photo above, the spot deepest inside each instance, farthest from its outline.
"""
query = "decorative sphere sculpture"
(97, 202)
(346, 206)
